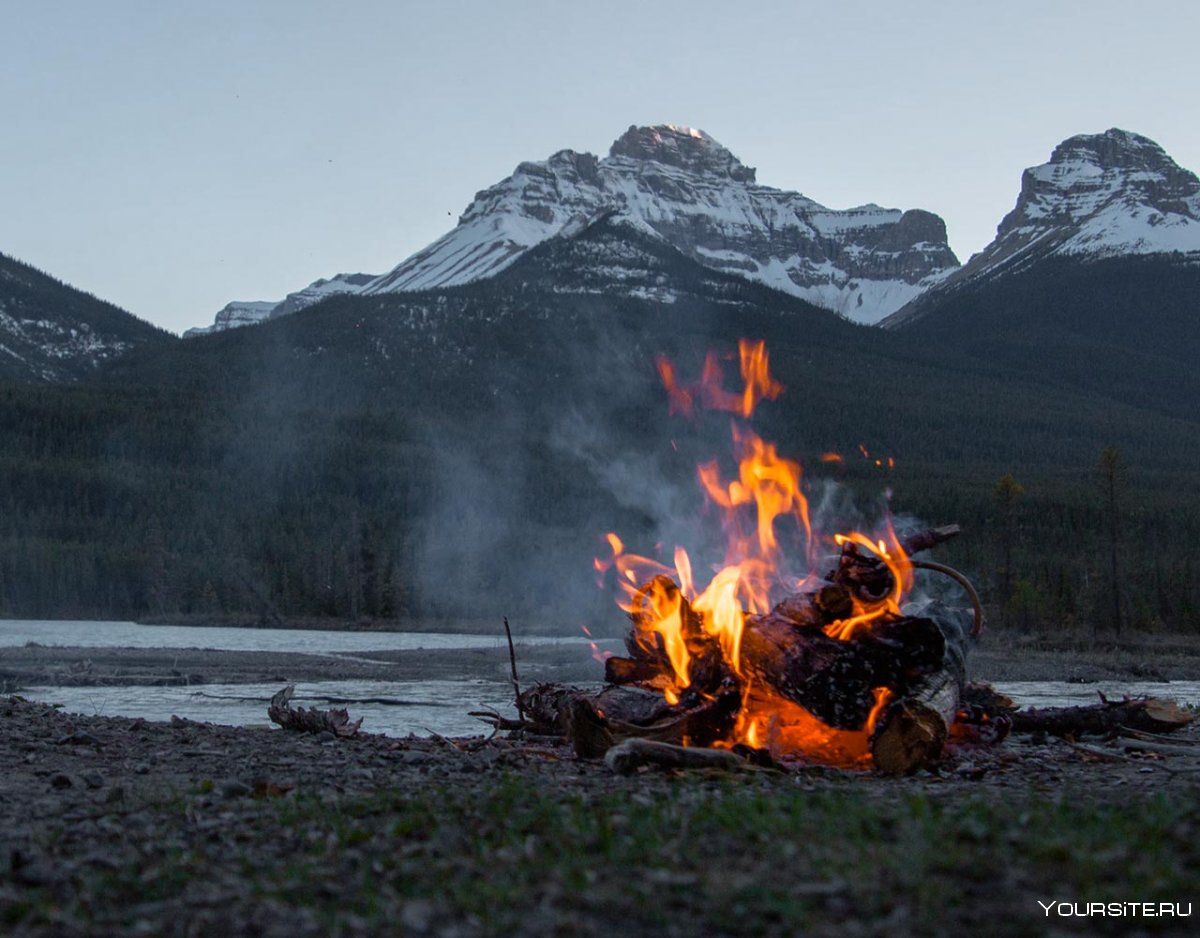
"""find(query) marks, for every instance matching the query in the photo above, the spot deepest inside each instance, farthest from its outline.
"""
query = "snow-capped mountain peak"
(682, 147)
(250, 312)
(1112, 194)
(682, 186)
(1103, 194)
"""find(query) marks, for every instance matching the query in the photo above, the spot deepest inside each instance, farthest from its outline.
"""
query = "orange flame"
(766, 489)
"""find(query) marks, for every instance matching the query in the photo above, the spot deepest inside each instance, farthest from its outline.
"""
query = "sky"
(171, 157)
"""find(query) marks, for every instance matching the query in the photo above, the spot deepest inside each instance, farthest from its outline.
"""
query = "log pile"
(886, 694)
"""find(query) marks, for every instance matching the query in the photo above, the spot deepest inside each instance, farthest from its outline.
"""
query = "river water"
(420, 707)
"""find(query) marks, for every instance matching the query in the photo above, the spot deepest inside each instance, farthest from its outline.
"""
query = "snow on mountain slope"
(248, 312)
(1101, 195)
(689, 190)
(51, 332)
(234, 315)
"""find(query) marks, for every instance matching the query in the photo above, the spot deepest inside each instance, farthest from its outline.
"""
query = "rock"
(235, 788)
(31, 870)
(78, 738)
(92, 779)
(61, 780)
(418, 915)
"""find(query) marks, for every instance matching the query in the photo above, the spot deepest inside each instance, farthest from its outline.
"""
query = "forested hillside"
(52, 332)
(460, 453)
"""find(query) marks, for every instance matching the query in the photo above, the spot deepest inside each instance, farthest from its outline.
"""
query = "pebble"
(235, 788)
(418, 915)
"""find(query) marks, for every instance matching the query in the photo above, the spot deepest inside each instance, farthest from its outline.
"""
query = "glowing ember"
(678, 617)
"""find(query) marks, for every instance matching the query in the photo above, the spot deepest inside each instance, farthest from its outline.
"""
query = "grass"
(693, 856)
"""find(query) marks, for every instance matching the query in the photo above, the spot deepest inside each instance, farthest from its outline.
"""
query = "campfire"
(773, 654)
(802, 647)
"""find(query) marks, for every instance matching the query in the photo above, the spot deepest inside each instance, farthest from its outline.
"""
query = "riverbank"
(126, 827)
(49, 665)
(993, 659)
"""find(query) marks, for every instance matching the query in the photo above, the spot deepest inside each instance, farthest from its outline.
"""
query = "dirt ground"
(128, 827)
(113, 826)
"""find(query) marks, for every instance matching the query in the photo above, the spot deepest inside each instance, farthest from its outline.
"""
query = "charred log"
(597, 722)
(834, 680)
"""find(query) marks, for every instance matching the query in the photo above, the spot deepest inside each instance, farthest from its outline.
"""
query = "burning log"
(893, 680)
(834, 679)
(911, 730)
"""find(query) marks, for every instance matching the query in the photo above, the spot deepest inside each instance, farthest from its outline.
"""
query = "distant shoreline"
(452, 626)
(993, 660)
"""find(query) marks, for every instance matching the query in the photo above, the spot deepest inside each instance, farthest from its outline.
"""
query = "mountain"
(459, 452)
(683, 187)
(248, 312)
(1101, 196)
(51, 332)
(1090, 284)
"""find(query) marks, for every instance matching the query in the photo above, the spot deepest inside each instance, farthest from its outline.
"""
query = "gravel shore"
(111, 826)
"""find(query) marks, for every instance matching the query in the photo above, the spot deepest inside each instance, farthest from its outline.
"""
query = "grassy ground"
(691, 855)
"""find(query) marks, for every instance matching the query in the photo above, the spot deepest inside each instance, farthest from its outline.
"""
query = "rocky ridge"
(248, 312)
(1100, 196)
(685, 188)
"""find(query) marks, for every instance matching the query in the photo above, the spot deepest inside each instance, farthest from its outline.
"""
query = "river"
(420, 707)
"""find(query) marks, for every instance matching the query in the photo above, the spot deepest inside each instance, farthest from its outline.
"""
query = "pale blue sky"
(173, 156)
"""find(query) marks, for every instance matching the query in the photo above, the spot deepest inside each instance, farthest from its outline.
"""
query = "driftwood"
(627, 757)
(309, 719)
(1109, 717)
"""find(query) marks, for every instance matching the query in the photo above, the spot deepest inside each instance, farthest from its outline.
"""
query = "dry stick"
(1156, 737)
(627, 757)
(1167, 749)
(512, 660)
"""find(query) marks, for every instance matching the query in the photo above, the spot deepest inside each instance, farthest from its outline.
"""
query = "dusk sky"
(171, 157)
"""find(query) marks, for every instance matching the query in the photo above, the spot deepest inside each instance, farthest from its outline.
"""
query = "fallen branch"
(1165, 749)
(309, 719)
(1145, 714)
(627, 757)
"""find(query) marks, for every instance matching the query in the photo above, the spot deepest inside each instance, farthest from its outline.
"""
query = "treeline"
(460, 454)
(121, 504)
